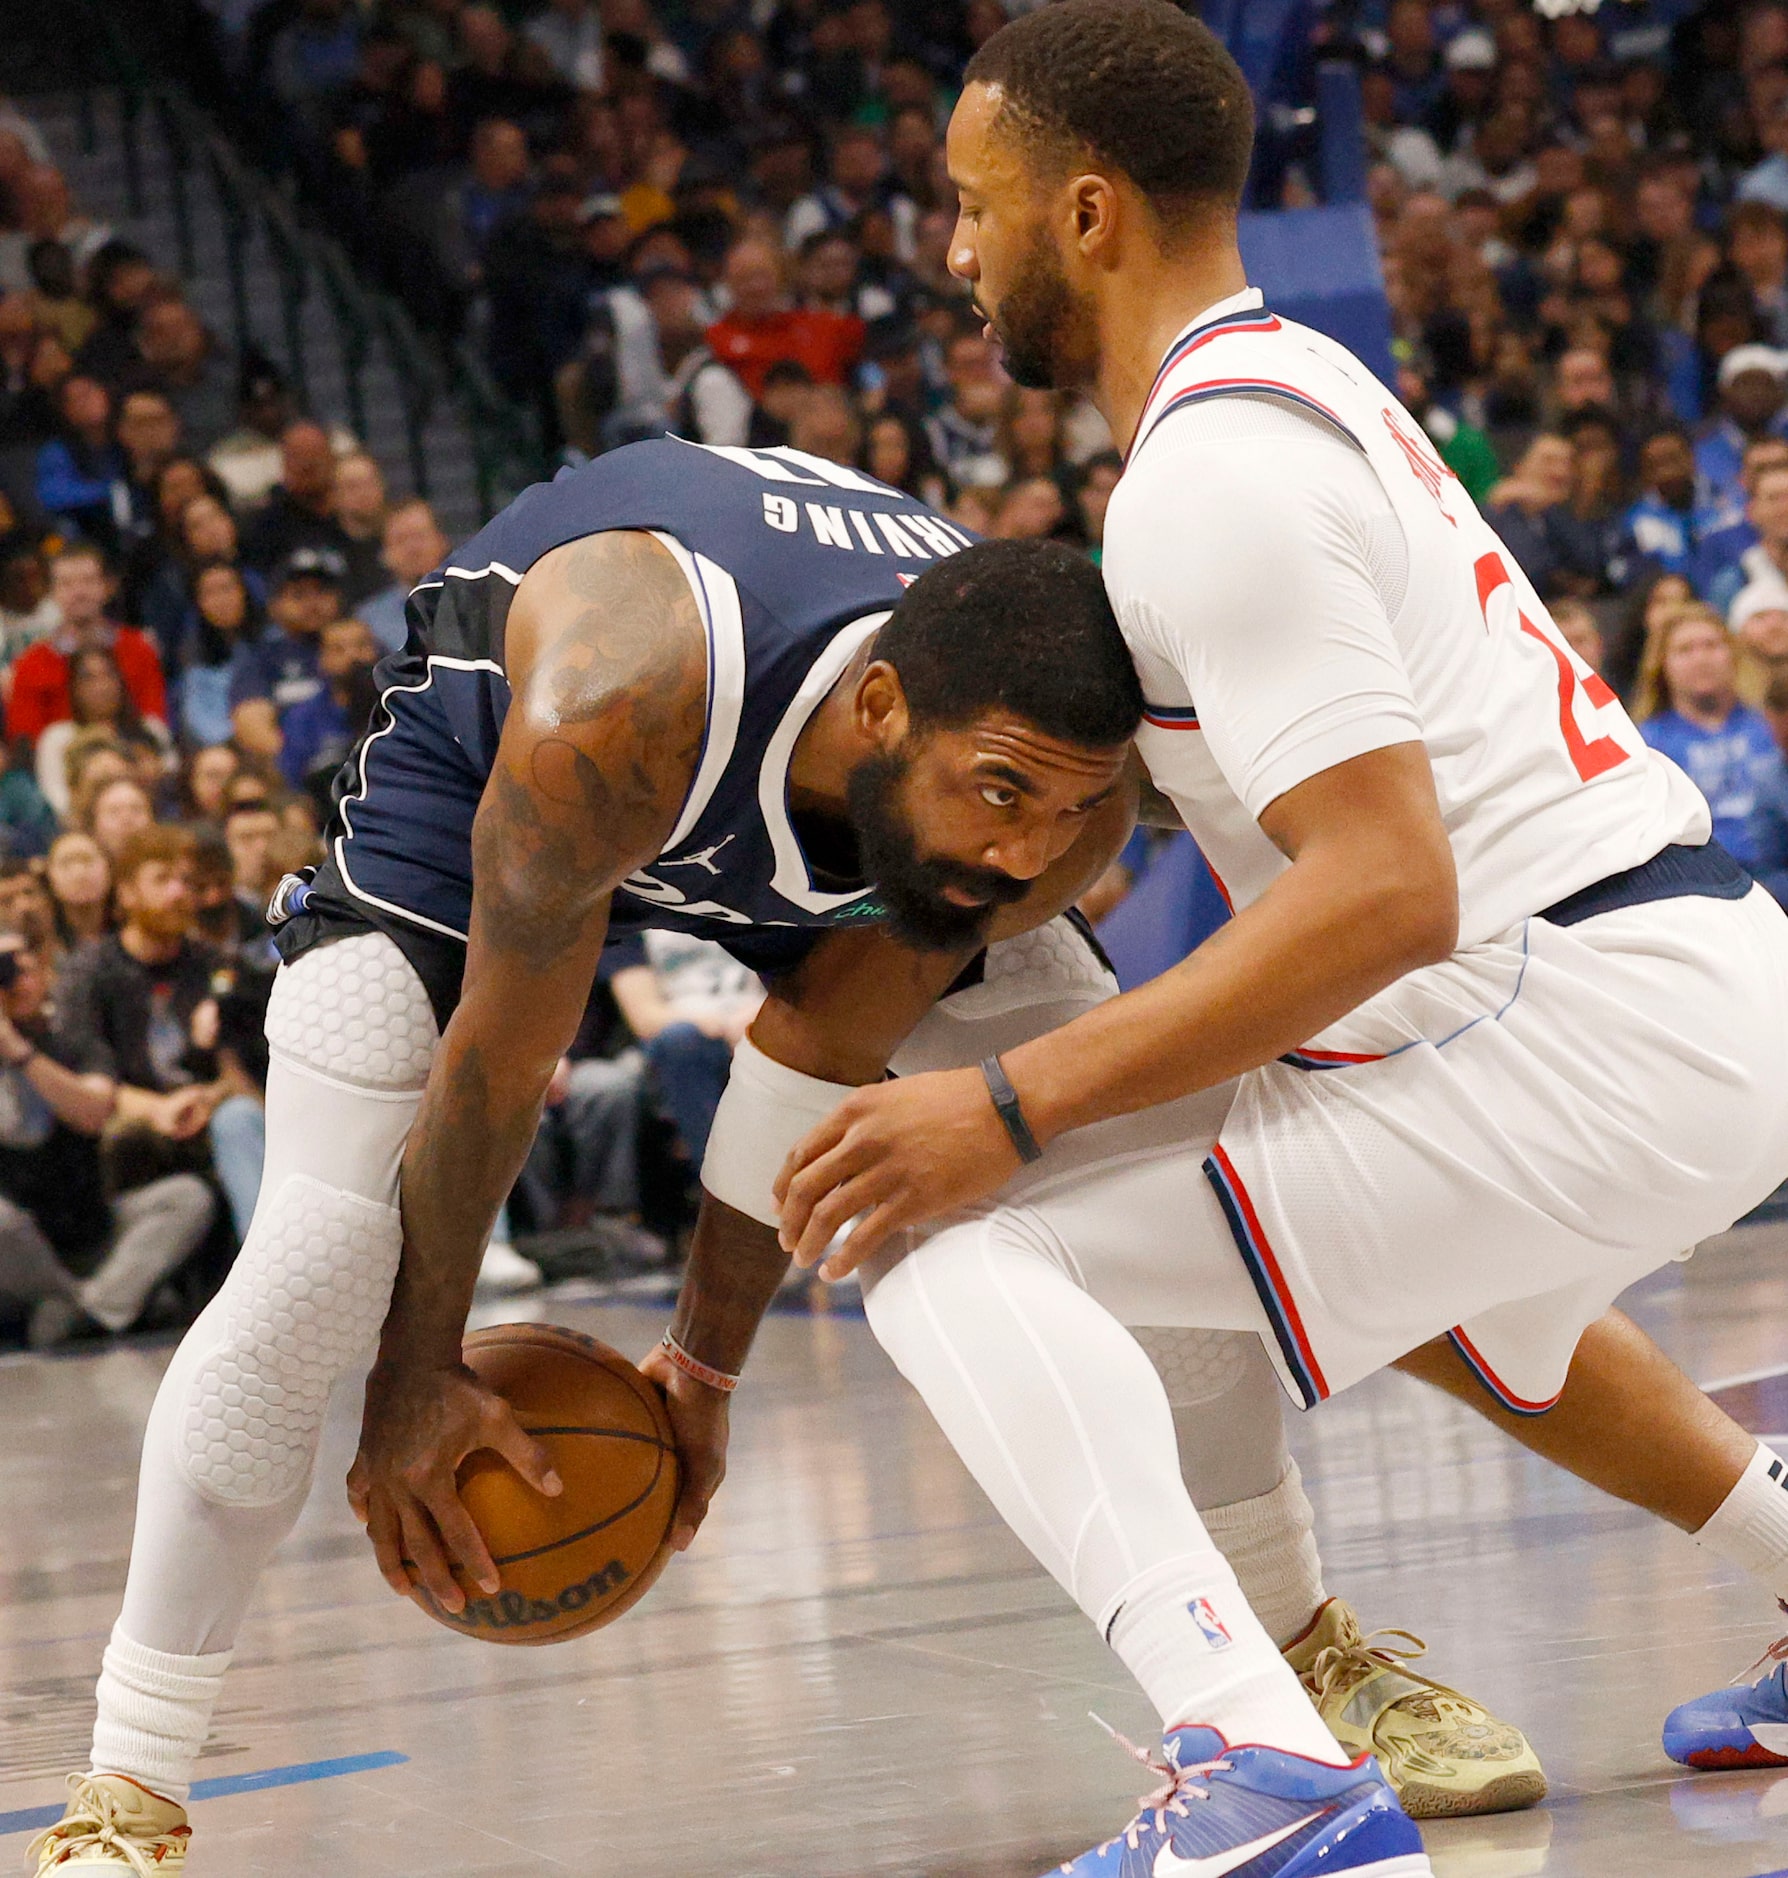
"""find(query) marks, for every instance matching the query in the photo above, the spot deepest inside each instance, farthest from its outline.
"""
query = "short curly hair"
(1140, 84)
(1019, 626)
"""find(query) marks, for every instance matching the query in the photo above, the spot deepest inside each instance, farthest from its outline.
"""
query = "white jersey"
(1302, 580)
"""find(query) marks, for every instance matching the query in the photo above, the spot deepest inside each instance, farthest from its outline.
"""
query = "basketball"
(570, 1564)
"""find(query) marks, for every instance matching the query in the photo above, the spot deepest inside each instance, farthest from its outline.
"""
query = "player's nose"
(1021, 853)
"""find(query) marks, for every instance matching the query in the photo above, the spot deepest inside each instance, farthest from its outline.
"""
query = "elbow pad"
(766, 1108)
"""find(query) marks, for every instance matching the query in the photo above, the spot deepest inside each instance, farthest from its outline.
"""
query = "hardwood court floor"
(858, 1671)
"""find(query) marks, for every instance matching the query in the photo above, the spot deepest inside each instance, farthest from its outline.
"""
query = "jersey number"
(1592, 756)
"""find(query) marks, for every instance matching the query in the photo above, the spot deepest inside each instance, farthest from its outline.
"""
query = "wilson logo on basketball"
(509, 1610)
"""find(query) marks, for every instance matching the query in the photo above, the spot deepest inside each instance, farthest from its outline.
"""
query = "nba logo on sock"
(1209, 1624)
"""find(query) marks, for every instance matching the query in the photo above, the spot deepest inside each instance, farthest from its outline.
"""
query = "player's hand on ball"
(699, 1415)
(419, 1425)
(897, 1153)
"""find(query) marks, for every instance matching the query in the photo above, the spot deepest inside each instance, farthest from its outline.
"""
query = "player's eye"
(997, 796)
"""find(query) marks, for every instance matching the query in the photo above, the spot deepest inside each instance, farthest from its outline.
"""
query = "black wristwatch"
(1009, 1109)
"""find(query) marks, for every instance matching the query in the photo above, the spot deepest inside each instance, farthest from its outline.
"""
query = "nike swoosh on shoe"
(1169, 1864)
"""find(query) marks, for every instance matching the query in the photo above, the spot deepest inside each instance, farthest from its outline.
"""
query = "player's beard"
(910, 886)
(1049, 336)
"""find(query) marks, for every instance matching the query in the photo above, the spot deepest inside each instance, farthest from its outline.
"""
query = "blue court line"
(32, 1818)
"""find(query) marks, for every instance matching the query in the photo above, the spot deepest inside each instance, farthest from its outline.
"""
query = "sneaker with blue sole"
(1253, 1812)
(1742, 1726)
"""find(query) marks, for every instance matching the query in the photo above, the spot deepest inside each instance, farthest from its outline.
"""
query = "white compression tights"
(233, 1435)
(1055, 1409)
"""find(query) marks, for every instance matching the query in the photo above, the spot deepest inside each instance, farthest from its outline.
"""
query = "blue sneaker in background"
(1227, 1812)
(1743, 1726)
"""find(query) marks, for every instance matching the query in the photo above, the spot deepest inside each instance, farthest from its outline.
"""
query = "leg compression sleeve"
(233, 1434)
(1056, 1411)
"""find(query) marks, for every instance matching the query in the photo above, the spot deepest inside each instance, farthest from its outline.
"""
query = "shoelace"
(1776, 1653)
(1341, 1666)
(94, 1824)
(1178, 1784)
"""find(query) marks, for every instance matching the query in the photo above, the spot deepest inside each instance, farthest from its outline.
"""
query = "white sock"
(1750, 1529)
(1270, 1543)
(154, 1714)
(1185, 1632)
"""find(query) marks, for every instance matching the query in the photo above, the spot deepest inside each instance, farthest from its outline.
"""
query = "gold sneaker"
(1445, 1754)
(115, 1825)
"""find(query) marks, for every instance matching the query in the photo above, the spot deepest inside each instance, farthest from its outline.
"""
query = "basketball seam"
(571, 1538)
(614, 1434)
(558, 1336)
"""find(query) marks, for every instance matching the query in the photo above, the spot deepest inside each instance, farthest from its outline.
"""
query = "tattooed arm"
(607, 661)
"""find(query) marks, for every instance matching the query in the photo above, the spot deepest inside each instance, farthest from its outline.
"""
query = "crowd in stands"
(730, 220)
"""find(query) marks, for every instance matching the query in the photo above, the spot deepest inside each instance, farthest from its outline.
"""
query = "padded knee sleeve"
(1228, 1412)
(354, 1011)
(1196, 1366)
(308, 1292)
(1029, 985)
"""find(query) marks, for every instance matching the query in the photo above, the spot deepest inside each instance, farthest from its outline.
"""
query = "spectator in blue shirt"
(274, 673)
(1725, 747)
(1525, 508)
(1765, 561)
(413, 548)
(225, 615)
(1769, 814)
(1753, 381)
(1677, 513)
(1719, 575)
(317, 735)
(80, 473)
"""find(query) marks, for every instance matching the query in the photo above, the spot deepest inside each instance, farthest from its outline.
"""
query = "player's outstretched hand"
(896, 1153)
(699, 1417)
(419, 1425)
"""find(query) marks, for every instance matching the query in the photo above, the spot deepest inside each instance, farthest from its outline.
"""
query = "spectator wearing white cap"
(1759, 619)
(1470, 64)
(1753, 381)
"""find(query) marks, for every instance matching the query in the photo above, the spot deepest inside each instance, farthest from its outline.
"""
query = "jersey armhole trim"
(791, 879)
(717, 600)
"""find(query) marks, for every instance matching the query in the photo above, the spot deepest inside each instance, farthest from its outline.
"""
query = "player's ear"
(881, 708)
(1093, 207)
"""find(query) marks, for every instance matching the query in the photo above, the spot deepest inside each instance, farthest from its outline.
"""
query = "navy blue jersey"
(794, 563)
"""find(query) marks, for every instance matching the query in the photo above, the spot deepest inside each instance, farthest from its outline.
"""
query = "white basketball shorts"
(1502, 1145)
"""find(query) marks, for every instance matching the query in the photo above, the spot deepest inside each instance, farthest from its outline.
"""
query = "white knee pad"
(308, 1293)
(355, 1011)
(1029, 985)
(1197, 1365)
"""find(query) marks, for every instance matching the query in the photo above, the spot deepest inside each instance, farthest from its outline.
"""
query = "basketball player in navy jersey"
(683, 689)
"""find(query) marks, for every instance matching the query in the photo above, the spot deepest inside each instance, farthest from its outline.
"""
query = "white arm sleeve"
(1246, 563)
(764, 1110)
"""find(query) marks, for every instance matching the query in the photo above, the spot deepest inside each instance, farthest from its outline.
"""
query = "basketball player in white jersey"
(1495, 1031)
